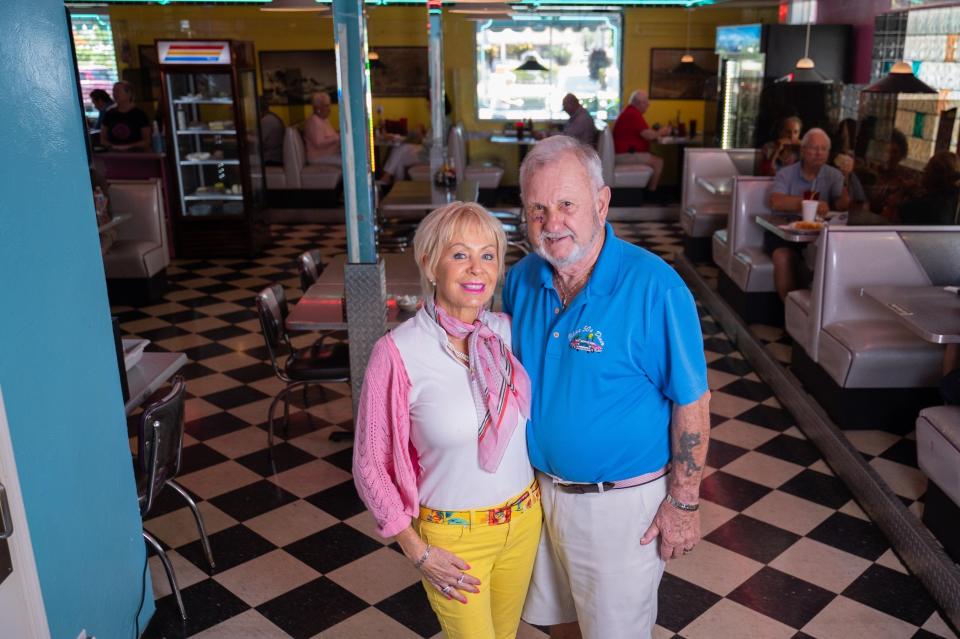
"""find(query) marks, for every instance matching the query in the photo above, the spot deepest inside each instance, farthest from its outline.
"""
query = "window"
(96, 62)
(562, 54)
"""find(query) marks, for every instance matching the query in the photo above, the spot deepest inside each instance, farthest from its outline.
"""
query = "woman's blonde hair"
(439, 229)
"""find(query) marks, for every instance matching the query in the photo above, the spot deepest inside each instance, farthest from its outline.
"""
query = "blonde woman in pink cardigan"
(440, 457)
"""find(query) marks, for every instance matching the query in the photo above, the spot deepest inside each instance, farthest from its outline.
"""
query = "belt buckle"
(497, 516)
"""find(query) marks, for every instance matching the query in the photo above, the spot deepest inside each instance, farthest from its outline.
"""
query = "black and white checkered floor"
(786, 550)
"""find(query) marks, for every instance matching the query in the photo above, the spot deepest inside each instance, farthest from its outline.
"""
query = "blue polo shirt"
(607, 370)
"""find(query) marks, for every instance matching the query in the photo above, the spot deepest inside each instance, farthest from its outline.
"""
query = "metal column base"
(366, 291)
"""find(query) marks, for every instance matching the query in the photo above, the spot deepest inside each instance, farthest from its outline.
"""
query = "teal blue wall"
(58, 369)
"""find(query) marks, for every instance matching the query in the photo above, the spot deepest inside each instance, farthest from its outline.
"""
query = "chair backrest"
(457, 150)
(142, 200)
(272, 310)
(310, 267)
(605, 150)
(294, 156)
(750, 198)
(161, 442)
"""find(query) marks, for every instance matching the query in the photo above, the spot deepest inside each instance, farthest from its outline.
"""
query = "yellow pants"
(501, 557)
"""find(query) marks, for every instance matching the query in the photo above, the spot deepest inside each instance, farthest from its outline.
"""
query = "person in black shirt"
(125, 127)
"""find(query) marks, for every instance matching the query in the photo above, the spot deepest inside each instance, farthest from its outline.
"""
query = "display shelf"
(211, 162)
(227, 101)
(206, 132)
(198, 197)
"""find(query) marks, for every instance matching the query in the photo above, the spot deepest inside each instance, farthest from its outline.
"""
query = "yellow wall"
(271, 31)
(644, 28)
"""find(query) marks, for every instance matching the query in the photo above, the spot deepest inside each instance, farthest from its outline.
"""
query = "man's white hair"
(636, 94)
(805, 140)
(549, 150)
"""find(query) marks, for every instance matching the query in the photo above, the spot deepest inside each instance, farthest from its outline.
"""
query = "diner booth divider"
(59, 370)
(861, 364)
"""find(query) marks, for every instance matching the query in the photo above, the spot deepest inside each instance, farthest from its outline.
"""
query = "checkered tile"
(786, 551)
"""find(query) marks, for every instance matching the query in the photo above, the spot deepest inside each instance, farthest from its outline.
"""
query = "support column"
(438, 150)
(365, 286)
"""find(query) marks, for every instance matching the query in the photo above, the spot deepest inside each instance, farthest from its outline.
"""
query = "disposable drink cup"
(809, 209)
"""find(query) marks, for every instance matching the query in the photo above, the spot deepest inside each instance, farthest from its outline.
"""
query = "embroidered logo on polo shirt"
(586, 339)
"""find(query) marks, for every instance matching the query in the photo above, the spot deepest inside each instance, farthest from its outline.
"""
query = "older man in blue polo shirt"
(619, 427)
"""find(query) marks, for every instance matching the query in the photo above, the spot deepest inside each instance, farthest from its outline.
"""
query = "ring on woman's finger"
(446, 589)
(460, 580)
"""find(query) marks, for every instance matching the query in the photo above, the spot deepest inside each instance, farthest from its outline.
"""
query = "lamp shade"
(531, 64)
(900, 80)
(689, 68)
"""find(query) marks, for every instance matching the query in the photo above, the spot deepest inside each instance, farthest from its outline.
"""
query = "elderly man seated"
(321, 140)
(580, 124)
(632, 137)
(810, 178)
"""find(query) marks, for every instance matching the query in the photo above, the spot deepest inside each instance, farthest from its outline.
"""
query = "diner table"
(931, 312)
(151, 372)
(716, 185)
(779, 226)
(321, 307)
(413, 200)
(523, 144)
(116, 220)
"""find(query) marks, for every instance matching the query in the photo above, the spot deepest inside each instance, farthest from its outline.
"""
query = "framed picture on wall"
(292, 77)
(400, 72)
(671, 79)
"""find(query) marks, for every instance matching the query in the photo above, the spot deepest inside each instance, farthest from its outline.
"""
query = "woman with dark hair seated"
(937, 200)
(785, 150)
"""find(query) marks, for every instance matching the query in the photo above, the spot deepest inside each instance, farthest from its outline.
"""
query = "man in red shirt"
(632, 136)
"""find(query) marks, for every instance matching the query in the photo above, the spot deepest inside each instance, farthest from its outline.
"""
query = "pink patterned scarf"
(497, 380)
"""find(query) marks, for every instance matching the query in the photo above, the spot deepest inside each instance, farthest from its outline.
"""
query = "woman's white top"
(443, 423)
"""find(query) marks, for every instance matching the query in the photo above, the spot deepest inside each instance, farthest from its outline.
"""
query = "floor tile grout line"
(912, 540)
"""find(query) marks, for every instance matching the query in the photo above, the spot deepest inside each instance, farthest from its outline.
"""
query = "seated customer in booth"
(776, 154)
(936, 202)
(810, 178)
(125, 127)
(632, 137)
(893, 181)
(322, 142)
(272, 130)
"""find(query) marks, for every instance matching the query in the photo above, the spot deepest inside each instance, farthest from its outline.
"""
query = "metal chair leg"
(286, 414)
(204, 539)
(168, 568)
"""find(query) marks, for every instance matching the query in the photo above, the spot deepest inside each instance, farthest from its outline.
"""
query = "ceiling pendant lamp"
(686, 58)
(687, 66)
(804, 70)
(900, 80)
(531, 64)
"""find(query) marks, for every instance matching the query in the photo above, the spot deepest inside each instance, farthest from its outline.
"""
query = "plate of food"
(800, 226)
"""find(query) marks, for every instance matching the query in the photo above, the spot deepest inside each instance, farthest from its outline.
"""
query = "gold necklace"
(567, 295)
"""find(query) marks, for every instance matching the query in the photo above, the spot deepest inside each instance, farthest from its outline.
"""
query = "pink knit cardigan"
(385, 466)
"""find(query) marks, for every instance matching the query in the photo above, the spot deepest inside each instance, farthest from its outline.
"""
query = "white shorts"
(590, 565)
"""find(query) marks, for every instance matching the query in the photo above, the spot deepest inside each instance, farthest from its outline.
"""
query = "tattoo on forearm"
(684, 454)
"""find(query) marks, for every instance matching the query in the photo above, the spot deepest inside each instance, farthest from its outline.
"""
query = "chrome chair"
(159, 451)
(310, 266)
(515, 228)
(319, 363)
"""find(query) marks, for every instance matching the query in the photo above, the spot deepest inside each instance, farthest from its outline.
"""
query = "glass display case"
(209, 93)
